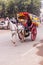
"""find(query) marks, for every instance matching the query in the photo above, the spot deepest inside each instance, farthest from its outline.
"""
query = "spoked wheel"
(33, 33)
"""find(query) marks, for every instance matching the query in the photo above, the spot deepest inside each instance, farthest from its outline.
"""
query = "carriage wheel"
(34, 33)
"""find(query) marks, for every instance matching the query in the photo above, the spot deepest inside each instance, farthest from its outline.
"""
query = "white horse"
(13, 29)
(16, 30)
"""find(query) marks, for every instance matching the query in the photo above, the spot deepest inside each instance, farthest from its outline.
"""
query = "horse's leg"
(13, 40)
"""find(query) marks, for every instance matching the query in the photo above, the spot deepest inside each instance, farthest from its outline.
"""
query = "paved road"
(13, 55)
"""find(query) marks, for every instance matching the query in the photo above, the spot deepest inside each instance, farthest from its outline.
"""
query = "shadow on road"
(35, 44)
(41, 63)
(27, 40)
(40, 52)
(41, 41)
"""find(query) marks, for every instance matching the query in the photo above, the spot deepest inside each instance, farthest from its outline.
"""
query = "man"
(28, 24)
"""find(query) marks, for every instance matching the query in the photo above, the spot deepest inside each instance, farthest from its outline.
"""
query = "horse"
(13, 29)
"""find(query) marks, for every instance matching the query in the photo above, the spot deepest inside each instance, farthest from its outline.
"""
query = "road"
(11, 54)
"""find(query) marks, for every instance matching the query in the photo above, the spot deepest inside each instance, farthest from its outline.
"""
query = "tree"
(34, 7)
(11, 7)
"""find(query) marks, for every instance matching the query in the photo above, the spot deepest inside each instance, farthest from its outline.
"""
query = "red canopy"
(26, 14)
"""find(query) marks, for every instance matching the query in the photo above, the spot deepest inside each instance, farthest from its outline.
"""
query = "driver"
(28, 24)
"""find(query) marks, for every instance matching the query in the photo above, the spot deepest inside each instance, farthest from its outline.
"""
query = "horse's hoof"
(22, 41)
(13, 42)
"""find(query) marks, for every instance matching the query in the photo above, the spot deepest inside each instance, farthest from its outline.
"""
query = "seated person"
(28, 24)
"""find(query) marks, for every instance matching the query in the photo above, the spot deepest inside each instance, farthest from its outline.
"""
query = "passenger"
(29, 24)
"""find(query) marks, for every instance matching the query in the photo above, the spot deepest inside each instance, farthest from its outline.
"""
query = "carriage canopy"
(23, 16)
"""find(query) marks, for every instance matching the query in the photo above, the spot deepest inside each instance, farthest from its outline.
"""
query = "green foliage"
(36, 3)
(34, 7)
(11, 7)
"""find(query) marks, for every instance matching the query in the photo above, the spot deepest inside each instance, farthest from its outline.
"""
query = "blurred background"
(9, 8)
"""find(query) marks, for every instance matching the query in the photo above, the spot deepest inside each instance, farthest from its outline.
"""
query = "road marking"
(27, 52)
(30, 50)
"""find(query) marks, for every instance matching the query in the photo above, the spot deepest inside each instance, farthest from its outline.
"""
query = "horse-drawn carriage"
(26, 26)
